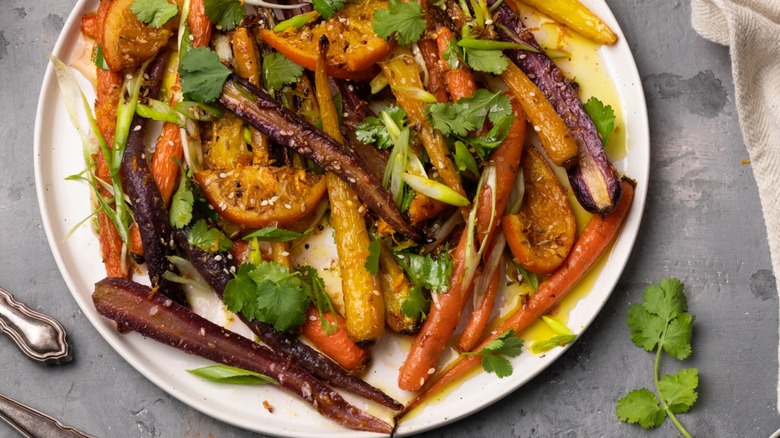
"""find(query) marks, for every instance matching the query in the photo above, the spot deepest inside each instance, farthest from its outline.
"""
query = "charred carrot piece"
(591, 245)
(460, 81)
(444, 315)
(337, 346)
(89, 25)
(200, 25)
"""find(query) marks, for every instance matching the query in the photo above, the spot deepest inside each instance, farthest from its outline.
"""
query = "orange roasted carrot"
(460, 80)
(444, 315)
(593, 241)
(436, 68)
(200, 25)
(475, 327)
(338, 346)
(165, 169)
(89, 25)
(135, 244)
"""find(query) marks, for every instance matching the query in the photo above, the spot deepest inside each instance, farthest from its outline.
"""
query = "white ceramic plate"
(63, 204)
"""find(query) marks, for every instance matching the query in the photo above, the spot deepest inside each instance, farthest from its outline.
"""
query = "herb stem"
(683, 431)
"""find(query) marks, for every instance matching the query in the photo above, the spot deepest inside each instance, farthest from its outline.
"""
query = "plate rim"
(638, 137)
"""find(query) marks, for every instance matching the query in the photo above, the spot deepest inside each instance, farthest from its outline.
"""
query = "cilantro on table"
(225, 14)
(154, 13)
(232, 375)
(373, 131)
(328, 8)
(202, 75)
(603, 117)
(403, 21)
(209, 239)
(661, 323)
(279, 71)
(268, 292)
(493, 360)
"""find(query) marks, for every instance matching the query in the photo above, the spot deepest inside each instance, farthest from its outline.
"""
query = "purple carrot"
(216, 272)
(134, 306)
(594, 180)
(149, 209)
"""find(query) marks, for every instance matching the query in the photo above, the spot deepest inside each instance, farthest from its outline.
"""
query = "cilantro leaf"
(678, 390)
(372, 261)
(666, 299)
(488, 61)
(603, 117)
(373, 130)
(225, 14)
(493, 360)
(274, 234)
(155, 13)
(428, 272)
(646, 328)
(315, 287)
(677, 342)
(239, 293)
(404, 21)
(180, 212)
(640, 406)
(202, 75)
(328, 8)
(231, 375)
(486, 143)
(661, 322)
(470, 113)
(278, 71)
(270, 293)
(416, 304)
(452, 54)
(209, 239)
(464, 161)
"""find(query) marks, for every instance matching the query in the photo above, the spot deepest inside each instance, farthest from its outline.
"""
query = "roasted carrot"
(165, 170)
(365, 308)
(338, 346)
(460, 80)
(436, 68)
(591, 245)
(109, 85)
(89, 25)
(444, 315)
(475, 327)
(135, 245)
(200, 25)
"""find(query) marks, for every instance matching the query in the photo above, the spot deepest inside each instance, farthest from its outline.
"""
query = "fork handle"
(40, 337)
(32, 423)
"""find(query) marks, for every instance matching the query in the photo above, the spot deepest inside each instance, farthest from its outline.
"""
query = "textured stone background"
(702, 224)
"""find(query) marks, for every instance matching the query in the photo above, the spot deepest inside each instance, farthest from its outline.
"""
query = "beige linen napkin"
(751, 29)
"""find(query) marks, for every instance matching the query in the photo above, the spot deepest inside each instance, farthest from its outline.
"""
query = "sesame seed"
(537, 128)
(285, 253)
(137, 128)
(431, 370)
(218, 257)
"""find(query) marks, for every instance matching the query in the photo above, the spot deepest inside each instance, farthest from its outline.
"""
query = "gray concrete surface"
(702, 224)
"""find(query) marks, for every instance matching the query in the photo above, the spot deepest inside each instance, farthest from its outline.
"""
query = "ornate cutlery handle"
(32, 423)
(39, 336)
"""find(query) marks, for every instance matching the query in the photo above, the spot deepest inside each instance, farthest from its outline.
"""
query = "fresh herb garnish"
(373, 130)
(274, 234)
(416, 304)
(279, 71)
(268, 292)
(232, 375)
(209, 239)
(469, 114)
(603, 117)
(403, 21)
(328, 8)
(372, 260)
(427, 272)
(202, 75)
(180, 212)
(464, 161)
(154, 13)
(661, 323)
(529, 277)
(315, 287)
(225, 14)
(493, 360)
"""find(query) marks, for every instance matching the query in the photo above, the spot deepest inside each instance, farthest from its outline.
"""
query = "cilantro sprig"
(154, 13)
(661, 323)
(603, 117)
(493, 360)
(403, 21)
(278, 71)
